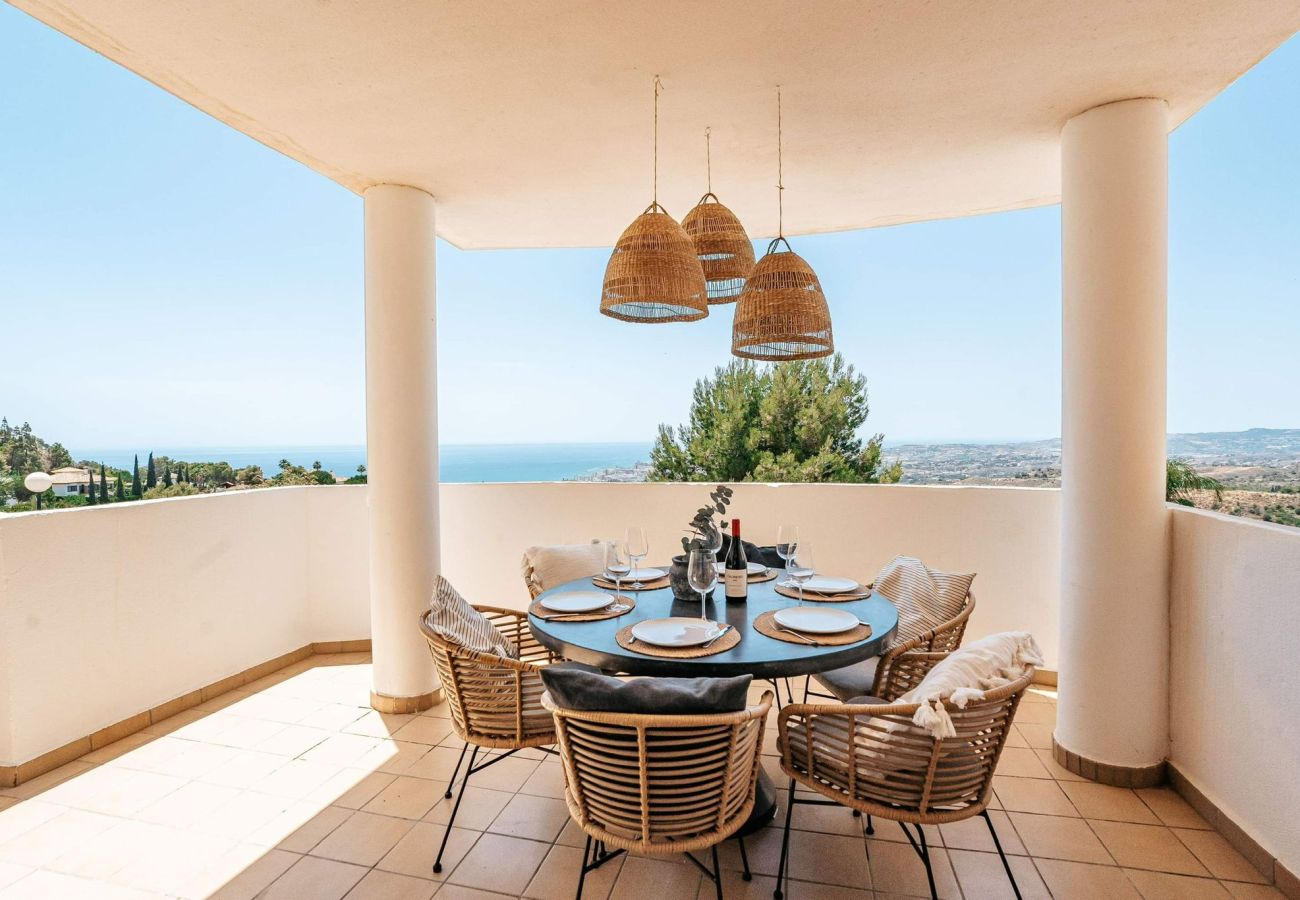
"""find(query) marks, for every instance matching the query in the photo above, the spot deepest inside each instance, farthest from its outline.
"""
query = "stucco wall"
(108, 611)
(1234, 678)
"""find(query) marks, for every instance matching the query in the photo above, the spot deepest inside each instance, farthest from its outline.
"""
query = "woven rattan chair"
(901, 667)
(495, 701)
(872, 759)
(659, 784)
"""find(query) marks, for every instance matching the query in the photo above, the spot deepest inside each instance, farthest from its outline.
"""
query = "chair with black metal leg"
(660, 784)
(872, 758)
(495, 701)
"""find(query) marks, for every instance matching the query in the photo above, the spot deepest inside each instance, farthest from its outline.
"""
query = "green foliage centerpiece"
(703, 532)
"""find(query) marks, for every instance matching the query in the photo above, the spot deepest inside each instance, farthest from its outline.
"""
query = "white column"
(401, 440)
(1113, 709)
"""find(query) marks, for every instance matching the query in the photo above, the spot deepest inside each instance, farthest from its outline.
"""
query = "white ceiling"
(531, 121)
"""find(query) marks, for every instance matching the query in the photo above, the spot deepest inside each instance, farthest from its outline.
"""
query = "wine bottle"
(736, 571)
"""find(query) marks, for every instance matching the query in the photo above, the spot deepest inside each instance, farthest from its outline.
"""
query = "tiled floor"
(294, 788)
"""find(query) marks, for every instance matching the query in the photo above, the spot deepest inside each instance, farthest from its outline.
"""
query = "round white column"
(1112, 714)
(401, 440)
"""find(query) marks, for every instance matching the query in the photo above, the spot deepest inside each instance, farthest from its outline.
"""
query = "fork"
(804, 638)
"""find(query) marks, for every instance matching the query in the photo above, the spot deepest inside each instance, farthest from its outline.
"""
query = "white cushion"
(456, 621)
(548, 567)
(966, 675)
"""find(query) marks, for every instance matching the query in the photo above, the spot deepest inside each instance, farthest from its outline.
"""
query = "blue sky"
(165, 280)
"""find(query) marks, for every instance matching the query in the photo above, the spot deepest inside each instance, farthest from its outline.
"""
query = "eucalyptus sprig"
(703, 528)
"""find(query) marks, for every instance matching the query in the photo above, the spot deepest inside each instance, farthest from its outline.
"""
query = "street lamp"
(38, 483)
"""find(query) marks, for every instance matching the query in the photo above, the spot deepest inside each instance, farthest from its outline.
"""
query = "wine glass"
(787, 540)
(702, 574)
(713, 542)
(617, 565)
(800, 566)
(637, 548)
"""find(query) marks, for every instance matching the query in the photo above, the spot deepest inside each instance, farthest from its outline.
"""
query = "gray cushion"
(867, 701)
(850, 681)
(581, 688)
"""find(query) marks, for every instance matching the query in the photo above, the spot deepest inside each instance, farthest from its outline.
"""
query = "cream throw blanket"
(967, 674)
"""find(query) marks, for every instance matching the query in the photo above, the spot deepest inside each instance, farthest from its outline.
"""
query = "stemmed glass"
(637, 548)
(787, 541)
(800, 566)
(617, 565)
(702, 574)
(714, 542)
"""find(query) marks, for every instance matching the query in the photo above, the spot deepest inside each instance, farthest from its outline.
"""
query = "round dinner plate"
(577, 601)
(816, 619)
(677, 631)
(754, 568)
(825, 584)
(642, 575)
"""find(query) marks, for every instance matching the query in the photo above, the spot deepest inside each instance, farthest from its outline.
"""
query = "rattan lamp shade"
(782, 312)
(725, 253)
(653, 274)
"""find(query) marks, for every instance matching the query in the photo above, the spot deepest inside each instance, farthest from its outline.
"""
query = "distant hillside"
(1257, 446)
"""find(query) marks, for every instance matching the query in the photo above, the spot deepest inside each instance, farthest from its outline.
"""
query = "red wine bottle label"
(737, 581)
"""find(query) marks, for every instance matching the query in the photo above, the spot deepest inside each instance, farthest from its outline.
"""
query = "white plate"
(678, 631)
(825, 584)
(577, 601)
(754, 568)
(641, 575)
(816, 619)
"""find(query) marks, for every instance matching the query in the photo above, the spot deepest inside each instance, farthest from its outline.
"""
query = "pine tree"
(103, 484)
(135, 478)
(151, 474)
(167, 475)
(90, 488)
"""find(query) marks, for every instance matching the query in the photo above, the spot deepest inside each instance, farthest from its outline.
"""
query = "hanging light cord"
(780, 186)
(658, 87)
(708, 158)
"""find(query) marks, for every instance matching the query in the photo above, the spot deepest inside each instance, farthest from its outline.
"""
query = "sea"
(458, 463)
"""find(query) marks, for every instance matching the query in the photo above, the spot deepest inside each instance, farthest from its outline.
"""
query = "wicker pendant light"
(782, 312)
(725, 253)
(653, 274)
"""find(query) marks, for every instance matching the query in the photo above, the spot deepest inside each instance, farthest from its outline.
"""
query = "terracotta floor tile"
(1244, 891)
(973, 834)
(1035, 735)
(557, 877)
(1152, 847)
(643, 877)
(319, 879)
(414, 854)
(42, 783)
(1078, 881)
(1032, 795)
(315, 830)
(44, 843)
(241, 874)
(1021, 763)
(547, 780)
(1171, 809)
(477, 811)
(1217, 855)
(42, 885)
(829, 858)
(1163, 886)
(897, 869)
(1100, 801)
(410, 798)
(380, 885)
(981, 875)
(424, 730)
(364, 839)
(1054, 837)
(536, 818)
(500, 863)
(364, 787)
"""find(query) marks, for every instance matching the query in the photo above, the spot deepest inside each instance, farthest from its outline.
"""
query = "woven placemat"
(765, 624)
(602, 582)
(544, 612)
(759, 579)
(723, 644)
(793, 594)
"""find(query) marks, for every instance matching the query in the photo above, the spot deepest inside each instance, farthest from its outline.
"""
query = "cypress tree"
(167, 476)
(135, 478)
(103, 484)
(90, 488)
(121, 488)
(151, 474)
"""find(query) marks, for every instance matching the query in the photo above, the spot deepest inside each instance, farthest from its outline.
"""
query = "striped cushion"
(925, 597)
(546, 567)
(456, 621)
